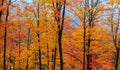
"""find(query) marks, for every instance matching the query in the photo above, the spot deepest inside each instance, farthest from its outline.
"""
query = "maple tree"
(59, 35)
(115, 30)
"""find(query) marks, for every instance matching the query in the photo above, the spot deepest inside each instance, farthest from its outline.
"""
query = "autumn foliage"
(59, 35)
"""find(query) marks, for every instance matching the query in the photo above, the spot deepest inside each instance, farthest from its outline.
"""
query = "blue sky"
(29, 1)
(23, 0)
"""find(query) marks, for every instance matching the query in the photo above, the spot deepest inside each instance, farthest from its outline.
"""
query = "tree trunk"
(117, 59)
(117, 48)
(55, 49)
(14, 64)
(60, 31)
(84, 38)
(60, 51)
(27, 63)
(114, 37)
(91, 5)
(5, 38)
(47, 48)
(47, 54)
(1, 10)
(40, 64)
(28, 48)
(89, 67)
(89, 43)
(38, 34)
(4, 54)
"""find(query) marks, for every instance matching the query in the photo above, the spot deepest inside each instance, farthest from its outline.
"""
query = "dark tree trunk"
(60, 28)
(89, 66)
(88, 54)
(14, 64)
(27, 63)
(91, 25)
(47, 48)
(117, 48)
(52, 59)
(60, 31)
(40, 64)
(55, 49)
(4, 54)
(38, 34)
(84, 38)
(28, 48)
(1, 10)
(60, 50)
(117, 59)
(5, 38)
(114, 37)
(47, 54)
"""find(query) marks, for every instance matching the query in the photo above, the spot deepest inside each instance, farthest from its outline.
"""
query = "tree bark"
(40, 64)
(115, 40)
(28, 48)
(88, 52)
(47, 54)
(84, 37)
(1, 10)
(117, 47)
(60, 30)
(55, 49)
(5, 37)
(117, 59)
(38, 34)
(91, 13)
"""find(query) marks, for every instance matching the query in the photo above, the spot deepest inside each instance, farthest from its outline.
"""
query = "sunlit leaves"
(112, 2)
(23, 45)
(79, 0)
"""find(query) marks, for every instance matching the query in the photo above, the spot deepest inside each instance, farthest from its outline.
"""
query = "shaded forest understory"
(59, 35)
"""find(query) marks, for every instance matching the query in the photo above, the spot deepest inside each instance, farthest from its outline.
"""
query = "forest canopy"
(59, 34)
